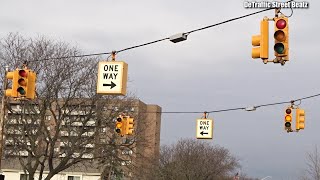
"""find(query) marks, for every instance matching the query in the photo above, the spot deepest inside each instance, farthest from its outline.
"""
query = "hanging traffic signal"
(261, 40)
(281, 38)
(129, 125)
(23, 84)
(14, 77)
(288, 119)
(300, 119)
(120, 125)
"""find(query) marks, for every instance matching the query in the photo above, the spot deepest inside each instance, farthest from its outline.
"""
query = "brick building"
(84, 131)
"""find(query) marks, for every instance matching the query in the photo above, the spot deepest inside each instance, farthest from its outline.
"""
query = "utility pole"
(3, 101)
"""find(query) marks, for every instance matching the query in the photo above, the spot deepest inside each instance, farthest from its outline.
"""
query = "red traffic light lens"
(21, 91)
(280, 36)
(281, 23)
(119, 119)
(23, 73)
(288, 111)
(279, 48)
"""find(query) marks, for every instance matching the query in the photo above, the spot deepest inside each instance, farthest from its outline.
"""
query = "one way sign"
(204, 128)
(112, 78)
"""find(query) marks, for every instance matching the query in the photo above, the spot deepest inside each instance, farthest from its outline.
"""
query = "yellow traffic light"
(31, 84)
(281, 38)
(261, 40)
(23, 84)
(288, 119)
(120, 125)
(129, 125)
(300, 119)
(14, 77)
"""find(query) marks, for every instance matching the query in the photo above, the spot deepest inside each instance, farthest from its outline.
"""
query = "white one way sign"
(204, 128)
(112, 78)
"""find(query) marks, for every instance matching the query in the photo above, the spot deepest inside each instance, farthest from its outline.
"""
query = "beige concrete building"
(86, 133)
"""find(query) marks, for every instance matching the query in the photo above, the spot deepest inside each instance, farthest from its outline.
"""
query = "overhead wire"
(153, 42)
(236, 109)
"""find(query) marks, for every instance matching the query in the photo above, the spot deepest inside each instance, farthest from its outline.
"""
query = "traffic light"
(120, 125)
(288, 119)
(281, 38)
(129, 125)
(300, 119)
(261, 40)
(23, 84)
(14, 77)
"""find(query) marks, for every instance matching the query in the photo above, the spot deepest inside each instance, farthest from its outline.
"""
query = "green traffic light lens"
(21, 91)
(118, 130)
(287, 124)
(279, 48)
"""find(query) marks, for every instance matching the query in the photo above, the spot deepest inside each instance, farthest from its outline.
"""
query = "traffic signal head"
(261, 40)
(120, 125)
(288, 119)
(300, 119)
(129, 126)
(14, 75)
(23, 84)
(281, 38)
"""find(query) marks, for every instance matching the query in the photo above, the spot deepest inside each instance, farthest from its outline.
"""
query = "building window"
(24, 177)
(74, 178)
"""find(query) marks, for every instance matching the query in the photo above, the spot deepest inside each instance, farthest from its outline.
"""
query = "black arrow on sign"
(202, 133)
(112, 85)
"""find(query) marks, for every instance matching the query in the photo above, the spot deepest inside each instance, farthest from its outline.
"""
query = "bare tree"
(194, 159)
(312, 171)
(68, 124)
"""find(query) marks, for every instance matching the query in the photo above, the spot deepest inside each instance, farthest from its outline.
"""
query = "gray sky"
(212, 70)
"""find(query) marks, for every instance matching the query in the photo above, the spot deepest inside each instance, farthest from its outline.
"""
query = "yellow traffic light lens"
(23, 73)
(22, 82)
(279, 36)
(288, 118)
(21, 91)
(281, 23)
(118, 125)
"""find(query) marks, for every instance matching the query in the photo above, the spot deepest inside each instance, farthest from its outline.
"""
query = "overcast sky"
(212, 70)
